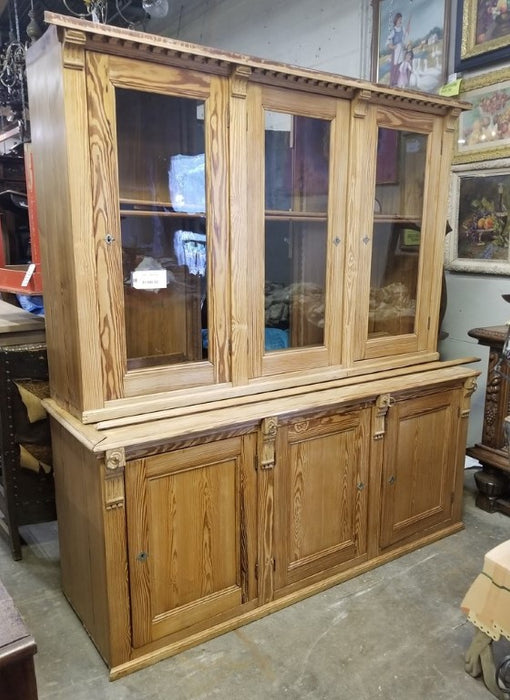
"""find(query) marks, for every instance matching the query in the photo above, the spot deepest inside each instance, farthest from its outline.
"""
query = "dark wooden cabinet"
(493, 481)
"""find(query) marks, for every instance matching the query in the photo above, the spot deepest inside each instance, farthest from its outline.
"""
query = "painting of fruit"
(483, 226)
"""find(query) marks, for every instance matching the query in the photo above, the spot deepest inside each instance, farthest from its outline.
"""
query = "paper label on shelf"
(148, 279)
(28, 275)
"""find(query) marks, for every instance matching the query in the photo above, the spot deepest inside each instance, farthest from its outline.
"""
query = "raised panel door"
(420, 459)
(321, 493)
(191, 536)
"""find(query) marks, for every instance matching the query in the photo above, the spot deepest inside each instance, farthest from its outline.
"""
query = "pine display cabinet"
(242, 266)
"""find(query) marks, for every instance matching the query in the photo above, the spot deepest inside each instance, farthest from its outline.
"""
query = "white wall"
(335, 36)
(474, 301)
(328, 35)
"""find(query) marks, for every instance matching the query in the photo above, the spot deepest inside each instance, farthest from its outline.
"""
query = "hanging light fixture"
(129, 13)
(12, 71)
(155, 8)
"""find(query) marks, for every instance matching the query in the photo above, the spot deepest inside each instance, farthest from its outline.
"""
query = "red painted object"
(24, 279)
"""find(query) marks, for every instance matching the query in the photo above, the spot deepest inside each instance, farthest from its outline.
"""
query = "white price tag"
(148, 279)
(28, 275)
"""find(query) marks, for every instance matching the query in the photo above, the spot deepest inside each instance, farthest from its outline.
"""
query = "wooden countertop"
(19, 326)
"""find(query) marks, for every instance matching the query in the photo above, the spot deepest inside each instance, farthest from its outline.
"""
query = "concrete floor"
(394, 633)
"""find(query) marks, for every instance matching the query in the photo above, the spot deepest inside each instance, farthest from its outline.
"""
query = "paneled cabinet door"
(191, 536)
(420, 459)
(321, 494)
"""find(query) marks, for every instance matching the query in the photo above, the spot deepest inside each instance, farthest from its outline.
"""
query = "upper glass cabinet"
(229, 227)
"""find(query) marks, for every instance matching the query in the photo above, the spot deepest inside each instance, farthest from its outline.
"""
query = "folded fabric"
(31, 394)
(33, 459)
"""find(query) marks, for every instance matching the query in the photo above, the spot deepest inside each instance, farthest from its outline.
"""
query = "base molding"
(142, 659)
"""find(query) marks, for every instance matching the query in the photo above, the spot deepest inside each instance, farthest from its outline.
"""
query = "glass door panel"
(161, 147)
(400, 176)
(296, 224)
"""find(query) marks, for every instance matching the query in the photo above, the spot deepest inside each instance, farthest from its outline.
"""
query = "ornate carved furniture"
(283, 422)
(493, 481)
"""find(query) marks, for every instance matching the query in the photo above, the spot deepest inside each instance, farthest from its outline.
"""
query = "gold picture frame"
(479, 216)
(482, 33)
(483, 132)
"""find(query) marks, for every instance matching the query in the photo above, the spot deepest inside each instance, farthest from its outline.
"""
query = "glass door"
(397, 274)
(161, 208)
(297, 208)
(395, 259)
(162, 173)
(296, 226)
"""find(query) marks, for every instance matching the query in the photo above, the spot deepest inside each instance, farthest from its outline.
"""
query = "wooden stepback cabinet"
(242, 267)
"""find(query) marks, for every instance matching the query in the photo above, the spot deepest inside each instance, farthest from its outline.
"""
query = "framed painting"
(482, 34)
(483, 132)
(479, 217)
(410, 46)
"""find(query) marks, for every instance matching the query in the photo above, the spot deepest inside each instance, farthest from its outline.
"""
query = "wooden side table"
(17, 649)
(493, 481)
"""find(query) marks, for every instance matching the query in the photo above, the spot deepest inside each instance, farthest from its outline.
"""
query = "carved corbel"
(379, 412)
(73, 49)
(470, 386)
(452, 119)
(360, 103)
(114, 495)
(269, 428)
(239, 81)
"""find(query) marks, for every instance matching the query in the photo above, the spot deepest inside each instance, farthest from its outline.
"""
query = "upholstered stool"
(487, 606)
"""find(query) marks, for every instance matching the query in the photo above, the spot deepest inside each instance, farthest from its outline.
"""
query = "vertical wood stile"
(241, 259)
(106, 222)
(363, 135)
(266, 466)
(219, 293)
(337, 230)
(114, 514)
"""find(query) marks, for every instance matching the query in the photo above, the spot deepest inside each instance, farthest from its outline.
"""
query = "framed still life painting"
(410, 43)
(479, 217)
(482, 35)
(483, 132)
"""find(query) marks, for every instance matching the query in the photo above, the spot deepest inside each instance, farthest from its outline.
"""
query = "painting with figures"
(411, 44)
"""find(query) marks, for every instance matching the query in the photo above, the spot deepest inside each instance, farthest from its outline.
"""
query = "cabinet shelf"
(144, 208)
(276, 215)
(395, 219)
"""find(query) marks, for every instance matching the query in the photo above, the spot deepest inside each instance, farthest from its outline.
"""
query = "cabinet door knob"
(392, 480)
(360, 486)
(142, 556)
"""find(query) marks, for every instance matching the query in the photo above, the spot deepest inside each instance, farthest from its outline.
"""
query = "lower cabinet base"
(168, 539)
(141, 658)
